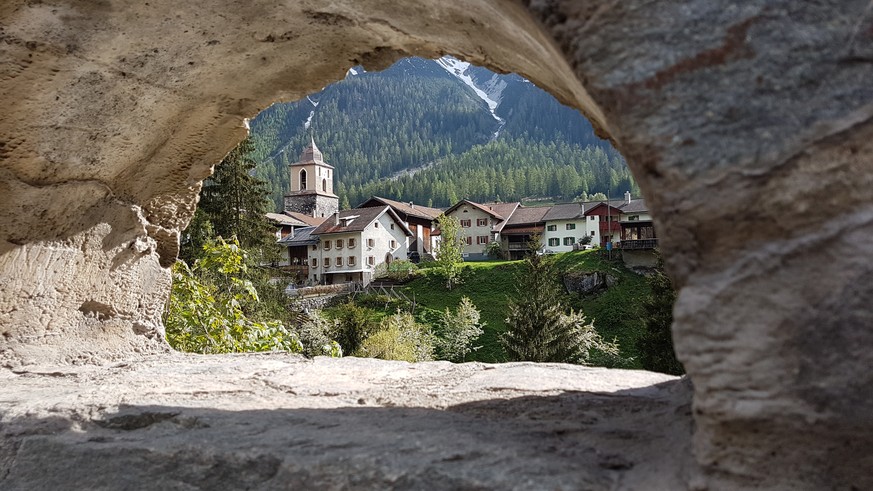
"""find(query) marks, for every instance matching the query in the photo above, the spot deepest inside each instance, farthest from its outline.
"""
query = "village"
(322, 245)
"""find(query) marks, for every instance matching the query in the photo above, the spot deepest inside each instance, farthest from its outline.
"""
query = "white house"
(353, 242)
(566, 224)
(480, 224)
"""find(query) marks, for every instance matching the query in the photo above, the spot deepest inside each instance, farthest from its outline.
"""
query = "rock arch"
(747, 126)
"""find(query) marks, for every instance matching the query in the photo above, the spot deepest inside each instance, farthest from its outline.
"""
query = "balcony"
(641, 244)
(518, 246)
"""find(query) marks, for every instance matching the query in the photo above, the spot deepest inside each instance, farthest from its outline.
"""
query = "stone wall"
(747, 125)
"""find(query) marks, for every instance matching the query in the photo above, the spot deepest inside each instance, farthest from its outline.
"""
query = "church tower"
(311, 190)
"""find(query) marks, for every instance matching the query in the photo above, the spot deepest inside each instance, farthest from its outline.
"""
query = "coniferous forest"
(417, 132)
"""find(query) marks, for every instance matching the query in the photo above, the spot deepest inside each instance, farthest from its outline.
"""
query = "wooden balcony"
(518, 246)
(642, 244)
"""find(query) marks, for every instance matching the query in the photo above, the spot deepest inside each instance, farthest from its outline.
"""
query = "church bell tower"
(311, 189)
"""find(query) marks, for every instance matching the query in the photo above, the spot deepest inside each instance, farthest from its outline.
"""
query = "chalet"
(420, 220)
(351, 243)
(480, 224)
(637, 228)
(520, 228)
(606, 216)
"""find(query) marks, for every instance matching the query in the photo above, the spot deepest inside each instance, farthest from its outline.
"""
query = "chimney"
(627, 196)
(411, 204)
(336, 218)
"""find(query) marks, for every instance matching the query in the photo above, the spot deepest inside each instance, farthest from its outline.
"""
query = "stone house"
(352, 243)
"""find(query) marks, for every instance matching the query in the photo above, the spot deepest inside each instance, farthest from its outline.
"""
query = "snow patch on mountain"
(490, 91)
(308, 121)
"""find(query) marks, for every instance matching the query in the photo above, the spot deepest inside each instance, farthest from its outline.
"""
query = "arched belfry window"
(324, 185)
(303, 179)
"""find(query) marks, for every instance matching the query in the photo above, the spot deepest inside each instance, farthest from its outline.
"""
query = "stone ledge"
(281, 421)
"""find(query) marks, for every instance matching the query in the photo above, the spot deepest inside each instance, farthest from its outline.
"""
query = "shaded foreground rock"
(283, 422)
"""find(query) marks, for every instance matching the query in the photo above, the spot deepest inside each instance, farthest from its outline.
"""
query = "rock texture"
(748, 126)
(282, 422)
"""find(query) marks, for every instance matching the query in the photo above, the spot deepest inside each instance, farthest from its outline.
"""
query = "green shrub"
(456, 331)
(399, 338)
(353, 325)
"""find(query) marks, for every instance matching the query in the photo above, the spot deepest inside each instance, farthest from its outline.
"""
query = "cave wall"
(747, 126)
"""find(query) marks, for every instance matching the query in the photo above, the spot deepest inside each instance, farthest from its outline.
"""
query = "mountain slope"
(380, 128)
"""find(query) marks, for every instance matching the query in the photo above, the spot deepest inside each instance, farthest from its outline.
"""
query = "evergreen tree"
(656, 344)
(540, 329)
(234, 203)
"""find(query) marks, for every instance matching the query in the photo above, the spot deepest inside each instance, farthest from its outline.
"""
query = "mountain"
(432, 131)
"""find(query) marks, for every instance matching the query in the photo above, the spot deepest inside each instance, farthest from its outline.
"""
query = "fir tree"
(540, 328)
(234, 203)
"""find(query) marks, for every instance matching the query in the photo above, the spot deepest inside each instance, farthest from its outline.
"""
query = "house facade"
(480, 224)
(352, 243)
(566, 225)
(420, 220)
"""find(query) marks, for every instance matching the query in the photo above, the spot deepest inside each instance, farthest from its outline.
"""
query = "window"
(376, 224)
(469, 240)
(371, 260)
(592, 217)
(314, 247)
(371, 242)
(592, 233)
(571, 226)
(633, 218)
(339, 243)
(351, 260)
(482, 239)
(339, 261)
(392, 226)
(466, 223)
(351, 243)
(327, 245)
(552, 228)
(324, 185)
(481, 222)
(327, 262)
(554, 242)
(392, 244)
(315, 262)
(568, 241)
(303, 179)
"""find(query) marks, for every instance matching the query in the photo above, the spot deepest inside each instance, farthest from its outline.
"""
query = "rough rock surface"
(749, 127)
(586, 283)
(283, 422)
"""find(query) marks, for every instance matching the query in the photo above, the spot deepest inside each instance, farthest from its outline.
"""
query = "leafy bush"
(493, 250)
(398, 270)
(656, 343)
(315, 336)
(353, 325)
(206, 312)
(456, 331)
(399, 338)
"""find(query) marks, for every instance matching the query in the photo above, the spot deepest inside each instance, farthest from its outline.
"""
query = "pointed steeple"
(312, 153)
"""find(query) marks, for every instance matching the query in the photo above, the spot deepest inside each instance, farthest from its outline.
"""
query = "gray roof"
(302, 237)
(359, 219)
(635, 206)
(565, 211)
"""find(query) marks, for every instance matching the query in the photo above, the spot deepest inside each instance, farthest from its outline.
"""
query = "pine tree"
(539, 328)
(235, 202)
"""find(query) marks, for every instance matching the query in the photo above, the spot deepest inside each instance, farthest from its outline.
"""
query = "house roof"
(285, 220)
(613, 204)
(359, 219)
(500, 211)
(409, 209)
(565, 211)
(527, 216)
(306, 219)
(635, 206)
(302, 237)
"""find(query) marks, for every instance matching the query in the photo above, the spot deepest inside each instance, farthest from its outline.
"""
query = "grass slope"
(490, 285)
